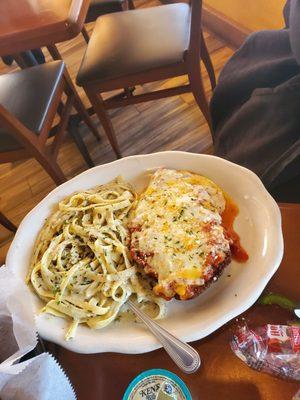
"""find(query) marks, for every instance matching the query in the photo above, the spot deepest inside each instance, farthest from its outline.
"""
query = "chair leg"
(7, 223)
(78, 105)
(50, 166)
(197, 88)
(73, 131)
(85, 34)
(207, 62)
(54, 171)
(97, 104)
(70, 87)
(86, 118)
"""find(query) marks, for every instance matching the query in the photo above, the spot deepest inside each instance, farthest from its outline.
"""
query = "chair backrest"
(196, 26)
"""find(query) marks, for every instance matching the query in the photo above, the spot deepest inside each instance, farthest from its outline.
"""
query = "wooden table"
(29, 24)
(222, 375)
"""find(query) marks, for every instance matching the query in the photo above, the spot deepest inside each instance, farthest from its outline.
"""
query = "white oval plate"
(258, 224)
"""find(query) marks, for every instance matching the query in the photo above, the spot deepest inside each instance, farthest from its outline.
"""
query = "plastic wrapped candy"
(274, 349)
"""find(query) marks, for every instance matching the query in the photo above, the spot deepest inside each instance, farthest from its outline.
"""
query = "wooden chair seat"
(28, 95)
(132, 42)
(143, 46)
(29, 102)
(98, 8)
(101, 7)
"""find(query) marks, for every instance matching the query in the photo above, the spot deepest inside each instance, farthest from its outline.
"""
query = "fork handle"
(184, 355)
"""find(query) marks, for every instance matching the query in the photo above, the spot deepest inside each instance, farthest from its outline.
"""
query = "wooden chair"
(29, 102)
(139, 46)
(102, 7)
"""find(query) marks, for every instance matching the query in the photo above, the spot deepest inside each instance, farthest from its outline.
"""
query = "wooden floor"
(168, 124)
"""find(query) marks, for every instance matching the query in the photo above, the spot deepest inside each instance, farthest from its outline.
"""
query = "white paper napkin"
(41, 377)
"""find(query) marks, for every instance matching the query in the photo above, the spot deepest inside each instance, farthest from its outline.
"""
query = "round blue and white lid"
(157, 384)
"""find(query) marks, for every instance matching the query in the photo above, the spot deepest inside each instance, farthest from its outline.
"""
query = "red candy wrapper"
(274, 349)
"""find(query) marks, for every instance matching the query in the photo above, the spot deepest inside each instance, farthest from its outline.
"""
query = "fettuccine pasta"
(81, 266)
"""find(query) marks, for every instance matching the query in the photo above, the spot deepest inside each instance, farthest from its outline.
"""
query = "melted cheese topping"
(177, 232)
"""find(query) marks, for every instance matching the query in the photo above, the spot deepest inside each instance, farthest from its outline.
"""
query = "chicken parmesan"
(177, 234)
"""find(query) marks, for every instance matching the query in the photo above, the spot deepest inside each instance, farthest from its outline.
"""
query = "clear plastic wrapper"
(274, 349)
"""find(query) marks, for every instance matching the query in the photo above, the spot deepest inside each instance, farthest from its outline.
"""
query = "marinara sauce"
(228, 216)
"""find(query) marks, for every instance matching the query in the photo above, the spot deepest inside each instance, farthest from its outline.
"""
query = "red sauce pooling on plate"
(228, 216)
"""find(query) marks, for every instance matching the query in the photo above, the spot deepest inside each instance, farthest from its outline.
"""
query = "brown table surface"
(222, 375)
(29, 24)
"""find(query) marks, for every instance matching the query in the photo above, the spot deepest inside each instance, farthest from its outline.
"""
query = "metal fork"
(184, 356)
